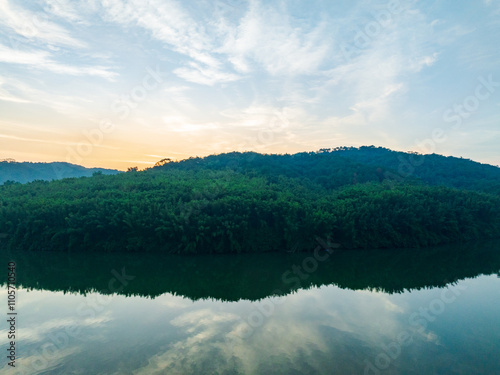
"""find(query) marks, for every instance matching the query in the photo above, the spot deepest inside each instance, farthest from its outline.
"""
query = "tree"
(163, 162)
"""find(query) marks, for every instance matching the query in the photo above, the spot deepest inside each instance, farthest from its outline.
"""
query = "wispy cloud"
(70, 11)
(34, 26)
(197, 73)
(38, 59)
(169, 23)
(54, 142)
(385, 65)
(266, 37)
(8, 96)
(23, 92)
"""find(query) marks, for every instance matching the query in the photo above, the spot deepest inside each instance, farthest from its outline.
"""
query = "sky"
(126, 83)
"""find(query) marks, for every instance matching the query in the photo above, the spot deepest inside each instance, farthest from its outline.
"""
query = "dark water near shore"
(425, 311)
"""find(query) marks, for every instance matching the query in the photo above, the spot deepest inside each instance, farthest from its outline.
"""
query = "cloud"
(24, 92)
(383, 69)
(267, 37)
(35, 26)
(264, 36)
(422, 62)
(204, 76)
(68, 10)
(53, 142)
(180, 123)
(13, 56)
(261, 116)
(6, 95)
(170, 24)
(38, 59)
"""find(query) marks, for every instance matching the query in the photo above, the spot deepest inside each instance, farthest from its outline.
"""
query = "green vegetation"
(247, 202)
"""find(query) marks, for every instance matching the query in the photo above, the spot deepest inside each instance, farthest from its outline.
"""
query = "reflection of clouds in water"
(362, 313)
(201, 351)
(432, 337)
(201, 318)
(316, 331)
(51, 328)
(391, 306)
(174, 302)
(40, 332)
(57, 311)
(40, 364)
(308, 330)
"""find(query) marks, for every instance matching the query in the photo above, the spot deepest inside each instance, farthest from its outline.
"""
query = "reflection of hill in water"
(234, 277)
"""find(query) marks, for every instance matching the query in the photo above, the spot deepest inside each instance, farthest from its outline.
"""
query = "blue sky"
(123, 83)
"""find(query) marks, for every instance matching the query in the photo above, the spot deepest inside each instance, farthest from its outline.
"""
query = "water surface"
(432, 311)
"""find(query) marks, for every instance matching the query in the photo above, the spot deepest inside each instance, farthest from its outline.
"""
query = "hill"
(248, 202)
(333, 168)
(431, 169)
(26, 172)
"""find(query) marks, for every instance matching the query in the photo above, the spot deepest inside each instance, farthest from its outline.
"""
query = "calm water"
(433, 311)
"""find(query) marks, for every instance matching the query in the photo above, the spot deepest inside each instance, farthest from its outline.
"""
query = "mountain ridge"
(432, 169)
(24, 172)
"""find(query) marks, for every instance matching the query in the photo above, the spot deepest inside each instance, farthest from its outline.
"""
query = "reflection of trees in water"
(257, 276)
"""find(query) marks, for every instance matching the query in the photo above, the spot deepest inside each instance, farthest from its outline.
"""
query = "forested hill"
(432, 169)
(26, 172)
(247, 202)
(341, 166)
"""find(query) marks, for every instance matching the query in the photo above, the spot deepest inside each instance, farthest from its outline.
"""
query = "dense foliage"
(244, 203)
(341, 166)
(431, 169)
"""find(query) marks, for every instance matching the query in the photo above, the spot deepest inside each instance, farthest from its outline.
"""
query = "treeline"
(243, 203)
(431, 169)
(333, 168)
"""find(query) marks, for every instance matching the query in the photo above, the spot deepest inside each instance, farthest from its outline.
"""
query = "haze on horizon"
(123, 83)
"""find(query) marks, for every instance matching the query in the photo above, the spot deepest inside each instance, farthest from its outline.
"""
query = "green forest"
(349, 198)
